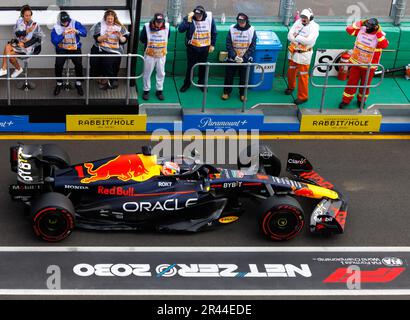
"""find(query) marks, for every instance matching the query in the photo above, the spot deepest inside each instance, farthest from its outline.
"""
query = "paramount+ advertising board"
(340, 123)
(108, 122)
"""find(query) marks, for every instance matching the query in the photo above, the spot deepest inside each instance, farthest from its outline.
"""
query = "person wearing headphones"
(370, 41)
(27, 41)
(240, 44)
(154, 36)
(302, 37)
(200, 29)
(65, 36)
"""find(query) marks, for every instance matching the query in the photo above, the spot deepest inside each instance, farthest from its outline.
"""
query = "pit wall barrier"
(364, 123)
(22, 124)
(332, 36)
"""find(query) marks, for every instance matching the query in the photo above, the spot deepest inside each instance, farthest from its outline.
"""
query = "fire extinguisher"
(344, 70)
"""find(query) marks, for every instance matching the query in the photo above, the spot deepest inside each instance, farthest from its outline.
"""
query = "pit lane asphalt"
(373, 174)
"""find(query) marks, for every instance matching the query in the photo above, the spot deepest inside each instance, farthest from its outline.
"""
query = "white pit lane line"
(229, 293)
(204, 249)
(205, 292)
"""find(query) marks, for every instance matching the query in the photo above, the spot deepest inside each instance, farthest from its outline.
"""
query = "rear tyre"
(56, 155)
(53, 217)
(281, 218)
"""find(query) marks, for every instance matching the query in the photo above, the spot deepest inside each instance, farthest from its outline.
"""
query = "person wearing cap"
(302, 37)
(65, 36)
(370, 41)
(240, 44)
(200, 30)
(154, 36)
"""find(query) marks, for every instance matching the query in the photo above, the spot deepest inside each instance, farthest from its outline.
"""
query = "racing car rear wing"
(300, 167)
(13, 158)
(25, 161)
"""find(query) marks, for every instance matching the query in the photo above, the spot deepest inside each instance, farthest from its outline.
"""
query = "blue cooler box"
(267, 50)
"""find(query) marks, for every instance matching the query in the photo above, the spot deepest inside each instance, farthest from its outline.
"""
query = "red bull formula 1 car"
(131, 192)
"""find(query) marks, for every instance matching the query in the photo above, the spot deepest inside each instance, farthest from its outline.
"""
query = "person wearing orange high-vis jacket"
(302, 37)
(370, 41)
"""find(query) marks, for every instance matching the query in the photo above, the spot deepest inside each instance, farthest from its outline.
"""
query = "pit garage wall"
(403, 52)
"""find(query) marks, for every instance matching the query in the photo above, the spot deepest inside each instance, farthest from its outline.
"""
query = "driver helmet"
(170, 168)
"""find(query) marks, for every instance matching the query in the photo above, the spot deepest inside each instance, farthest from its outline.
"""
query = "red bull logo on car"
(124, 167)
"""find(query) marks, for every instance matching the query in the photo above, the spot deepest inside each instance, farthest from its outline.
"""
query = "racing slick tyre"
(55, 155)
(259, 158)
(281, 218)
(53, 217)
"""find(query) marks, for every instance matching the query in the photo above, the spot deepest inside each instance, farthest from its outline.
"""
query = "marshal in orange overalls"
(368, 49)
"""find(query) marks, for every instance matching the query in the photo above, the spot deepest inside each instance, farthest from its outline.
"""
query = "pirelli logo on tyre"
(106, 122)
(340, 123)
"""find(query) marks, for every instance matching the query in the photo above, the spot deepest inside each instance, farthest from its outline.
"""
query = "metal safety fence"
(206, 84)
(86, 78)
(326, 84)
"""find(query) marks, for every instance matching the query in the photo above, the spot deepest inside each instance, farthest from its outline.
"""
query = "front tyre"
(281, 218)
(53, 217)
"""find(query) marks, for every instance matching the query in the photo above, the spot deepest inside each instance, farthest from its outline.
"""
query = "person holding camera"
(200, 30)
(65, 36)
(154, 36)
(110, 36)
(27, 41)
(241, 44)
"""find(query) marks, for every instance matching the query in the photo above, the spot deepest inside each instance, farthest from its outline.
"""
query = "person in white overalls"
(154, 36)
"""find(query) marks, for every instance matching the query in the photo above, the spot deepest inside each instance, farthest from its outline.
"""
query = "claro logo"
(294, 161)
(168, 205)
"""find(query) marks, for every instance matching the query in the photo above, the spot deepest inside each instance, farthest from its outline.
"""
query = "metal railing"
(206, 84)
(87, 78)
(326, 84)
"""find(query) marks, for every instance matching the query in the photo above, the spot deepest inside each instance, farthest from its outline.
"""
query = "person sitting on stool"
(27, 42)
(154, 36)
(65, 36)
(241, 44)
